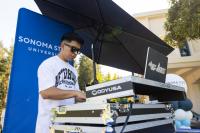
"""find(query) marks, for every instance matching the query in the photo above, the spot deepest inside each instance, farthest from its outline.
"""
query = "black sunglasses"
(73, 49)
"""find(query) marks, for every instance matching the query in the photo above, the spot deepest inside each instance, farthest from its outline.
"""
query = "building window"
(184, 50)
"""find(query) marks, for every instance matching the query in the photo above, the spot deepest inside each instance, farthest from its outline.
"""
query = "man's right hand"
(80, 96)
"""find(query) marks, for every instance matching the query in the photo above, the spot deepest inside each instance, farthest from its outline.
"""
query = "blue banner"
(37, 38)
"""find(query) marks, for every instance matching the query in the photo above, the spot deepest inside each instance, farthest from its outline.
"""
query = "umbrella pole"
(95, 81)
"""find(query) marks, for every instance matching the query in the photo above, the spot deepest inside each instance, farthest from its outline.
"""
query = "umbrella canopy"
(119, 40)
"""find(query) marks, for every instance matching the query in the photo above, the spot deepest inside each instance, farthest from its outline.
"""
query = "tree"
(5, 65)
(183, 22)
(115, 76)
(100, 77)
(85, 72)
(107, 77)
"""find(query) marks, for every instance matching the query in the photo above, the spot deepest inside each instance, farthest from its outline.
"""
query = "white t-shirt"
(54, 72)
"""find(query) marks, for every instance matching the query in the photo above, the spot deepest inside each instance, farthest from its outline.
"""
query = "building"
(184, 62)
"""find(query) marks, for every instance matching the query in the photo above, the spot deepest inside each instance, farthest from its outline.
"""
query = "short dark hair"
(72, 37)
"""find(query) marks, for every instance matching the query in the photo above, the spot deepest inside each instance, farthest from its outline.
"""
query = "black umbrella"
(119, 40)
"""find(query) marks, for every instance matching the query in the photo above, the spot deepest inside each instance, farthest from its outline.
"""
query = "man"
(58, 81)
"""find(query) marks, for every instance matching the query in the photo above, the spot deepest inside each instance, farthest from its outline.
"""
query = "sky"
(9, 11)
